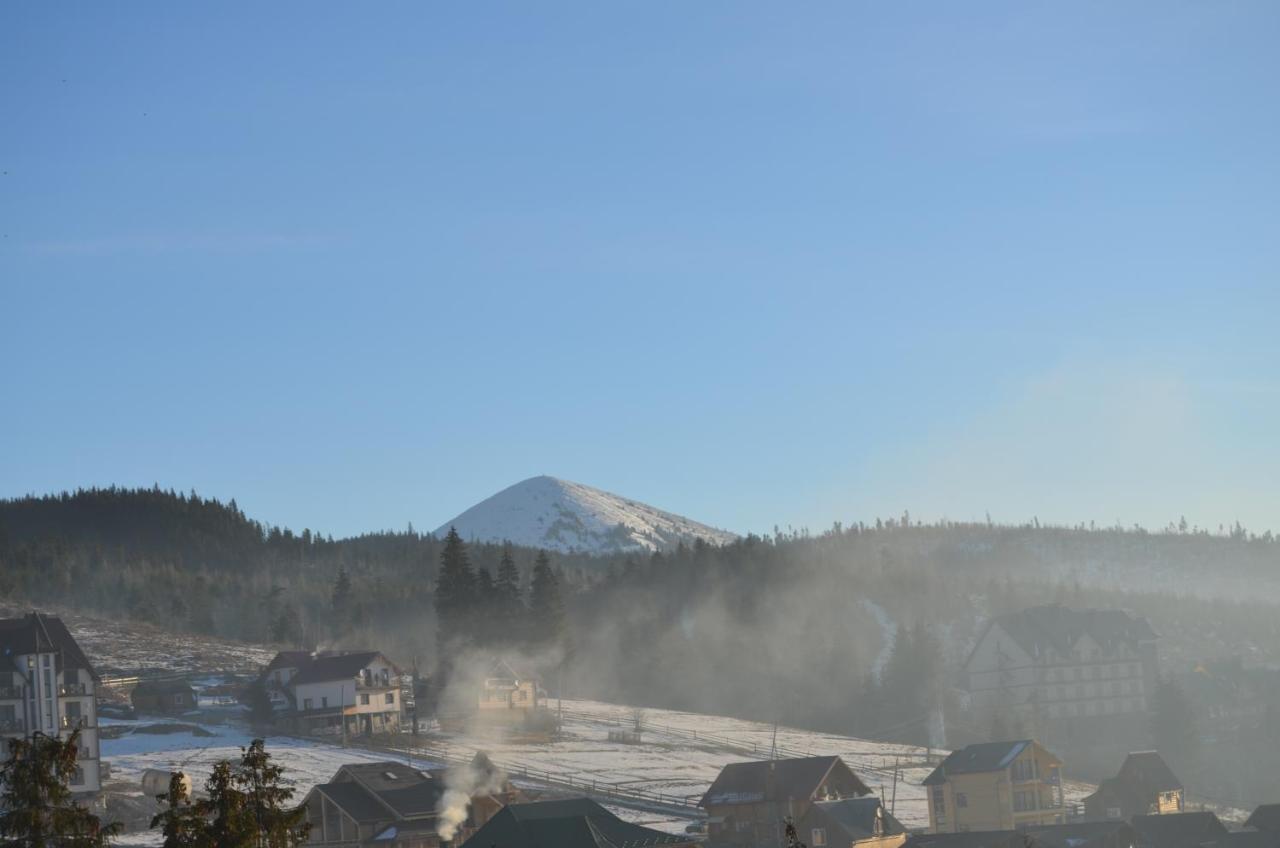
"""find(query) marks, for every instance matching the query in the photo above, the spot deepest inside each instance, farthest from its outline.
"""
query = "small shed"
(163, 696)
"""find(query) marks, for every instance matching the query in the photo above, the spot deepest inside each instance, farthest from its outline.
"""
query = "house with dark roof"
(994, 786)
(849, 822)
(571, 823)
(47, 684)
(1145, 784)
(1178, 830)
(354, 692)
(1052, 666)
(1265, 817)
(1103, 834)
(163, 696)
(391, 804)
(748, 802)
(973, 839)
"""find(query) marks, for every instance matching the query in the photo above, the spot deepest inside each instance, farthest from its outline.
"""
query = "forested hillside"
(796, 626)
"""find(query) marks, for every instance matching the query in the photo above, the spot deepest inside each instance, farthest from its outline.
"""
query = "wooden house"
(163, 696)
(748, 802)
(571, 823)
(1145, 785)
(995, 786)
(850, 823)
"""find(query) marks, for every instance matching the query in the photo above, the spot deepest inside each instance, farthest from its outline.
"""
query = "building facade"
(996, 786)
(358, 693)
(1073, 677)
(47, 685)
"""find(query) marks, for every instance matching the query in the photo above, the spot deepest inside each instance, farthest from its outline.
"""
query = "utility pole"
(342, 712)
(893, 802)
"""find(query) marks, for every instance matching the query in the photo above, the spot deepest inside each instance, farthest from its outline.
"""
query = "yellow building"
(996, 786)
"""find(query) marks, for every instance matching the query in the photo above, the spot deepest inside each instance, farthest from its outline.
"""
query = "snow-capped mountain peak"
(546, 512)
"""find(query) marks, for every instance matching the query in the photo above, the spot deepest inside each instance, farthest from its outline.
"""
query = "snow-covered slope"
(544, 512)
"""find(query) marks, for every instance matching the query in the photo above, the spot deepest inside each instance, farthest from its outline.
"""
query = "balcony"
(73, 689)
(11, 693)
(12, 725)
(74, 722)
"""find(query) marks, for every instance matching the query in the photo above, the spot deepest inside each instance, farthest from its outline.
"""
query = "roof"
(1142, 777)
(36, 632)
(1100, 834)
(1265, 817)
(162, 687)
(777, 780)
(571, 823)
(1175, 830)
(356, 801)
(1058, 628)
(978, 758)
(857, 816)
(1245, 839)
(288, 659)
(973, 839)
(337, 667)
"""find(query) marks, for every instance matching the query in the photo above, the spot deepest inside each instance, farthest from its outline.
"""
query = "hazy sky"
(760, 264)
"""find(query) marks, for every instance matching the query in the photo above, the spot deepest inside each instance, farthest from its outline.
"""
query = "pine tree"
(487, 626)
(179, 821)
(454, 596)
(340, 601)
(36, 807)
(510, 608)
(546, 607)
(278, 824)
(226, 821)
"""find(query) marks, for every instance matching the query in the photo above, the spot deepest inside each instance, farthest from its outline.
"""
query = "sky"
(761, 264)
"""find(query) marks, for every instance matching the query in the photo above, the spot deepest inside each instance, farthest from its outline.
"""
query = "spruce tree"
(340, 601)
(510, 608)
(36, 807)
(487, 626)
(454, 596)
(546, 607)
(277, 824)
(179, 821)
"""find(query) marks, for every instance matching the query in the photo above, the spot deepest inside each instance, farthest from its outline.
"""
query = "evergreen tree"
(277, 823)
(226, 822)
(509, 604)
(36, 807)
(546, 607)
(455, 595)
(1174, 727)
(340, 601)
(259, 702)
(287, 627)
(487, 625)
(179, 821)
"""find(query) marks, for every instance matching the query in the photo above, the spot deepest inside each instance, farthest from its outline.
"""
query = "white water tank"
(156, 781)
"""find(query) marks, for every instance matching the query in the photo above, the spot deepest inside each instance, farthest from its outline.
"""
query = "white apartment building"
(47, 686)
(1052, 664)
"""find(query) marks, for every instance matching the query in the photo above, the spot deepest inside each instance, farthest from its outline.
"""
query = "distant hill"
(559, 515)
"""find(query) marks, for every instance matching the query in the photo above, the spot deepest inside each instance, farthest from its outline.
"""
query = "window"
(1023, 801)
(818, 837)
(177, 699)
(962, 800)
(71, 676)
(364, 699)
(77, 779)
(391, 697)
(1024, 769)
(306, 703)
(1113, 812)
(324, 701)
(939, 800)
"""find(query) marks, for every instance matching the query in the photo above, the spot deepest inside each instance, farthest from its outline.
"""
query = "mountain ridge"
(561, 515)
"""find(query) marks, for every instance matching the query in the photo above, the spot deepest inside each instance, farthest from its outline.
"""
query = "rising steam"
(462, 783)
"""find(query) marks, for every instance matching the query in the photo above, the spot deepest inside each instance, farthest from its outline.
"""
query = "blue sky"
(756, 263)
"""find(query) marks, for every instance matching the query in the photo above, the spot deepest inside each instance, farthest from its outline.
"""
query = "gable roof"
(36, 632)
(571, 823)
(1176, 830)
(325, 669)
(1265, 817)
(777, 780)
(383, 792)
(288, 659)
(978, 758)
(1149, 771)
(1101, 834)
(163, 687)
(857, 817)
(973, 839)
(1058, 628)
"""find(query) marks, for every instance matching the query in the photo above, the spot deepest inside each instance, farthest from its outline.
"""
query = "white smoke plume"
(462, 783)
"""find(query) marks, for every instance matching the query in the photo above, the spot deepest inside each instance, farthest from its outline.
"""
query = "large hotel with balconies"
(47, 686)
